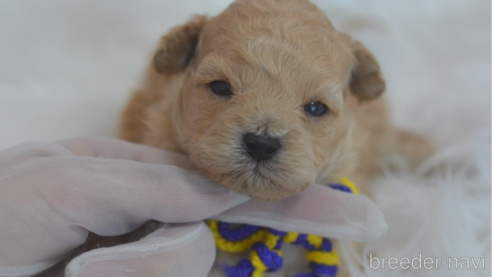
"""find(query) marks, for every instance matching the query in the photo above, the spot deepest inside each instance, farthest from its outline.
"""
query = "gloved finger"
(179, 250)
(320, 210)
(118, 149)
(356, 212)
(109, 196)
(69, 195)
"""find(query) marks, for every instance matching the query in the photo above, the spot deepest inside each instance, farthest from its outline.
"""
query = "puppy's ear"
(367, 80)
(177, 48)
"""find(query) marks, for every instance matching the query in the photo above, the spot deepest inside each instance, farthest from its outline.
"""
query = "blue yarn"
(341, 187)
(319, 270)
(270, 258)
(277, 232)
(323, 270)
(243, 269)
(281, 235)
(238, 233)
(302, 240)
(326, 245)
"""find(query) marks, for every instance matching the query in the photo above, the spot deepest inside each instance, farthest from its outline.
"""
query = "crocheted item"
(265, 244)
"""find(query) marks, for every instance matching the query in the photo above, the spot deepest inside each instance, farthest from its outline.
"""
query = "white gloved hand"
(53, 194)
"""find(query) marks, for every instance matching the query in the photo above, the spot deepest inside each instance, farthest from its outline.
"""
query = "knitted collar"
(265, 246)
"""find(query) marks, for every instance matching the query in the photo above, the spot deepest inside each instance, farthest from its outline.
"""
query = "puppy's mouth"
(266, 178)
(267, 170)
(262, 172)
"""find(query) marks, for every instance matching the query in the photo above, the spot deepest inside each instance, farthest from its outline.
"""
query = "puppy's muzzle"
(261, 148)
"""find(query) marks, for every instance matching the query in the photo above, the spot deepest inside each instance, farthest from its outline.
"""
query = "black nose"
(260, 148)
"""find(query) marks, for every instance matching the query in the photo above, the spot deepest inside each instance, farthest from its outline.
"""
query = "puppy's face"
(262, 105)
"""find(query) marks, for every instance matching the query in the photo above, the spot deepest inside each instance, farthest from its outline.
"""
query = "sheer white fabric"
(53, 194)
(180, 250)
(322, 211)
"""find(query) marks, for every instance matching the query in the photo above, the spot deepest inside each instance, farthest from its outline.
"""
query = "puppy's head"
(262, 107)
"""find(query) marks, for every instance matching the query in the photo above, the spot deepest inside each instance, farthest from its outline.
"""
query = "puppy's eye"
(221, 88)
(315, 108)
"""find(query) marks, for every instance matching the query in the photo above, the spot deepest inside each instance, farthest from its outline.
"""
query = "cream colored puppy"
(267, 98)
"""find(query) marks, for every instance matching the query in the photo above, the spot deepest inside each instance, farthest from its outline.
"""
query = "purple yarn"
(323, 270)
(326, 245)
(341, 187)
(244, 268)
(270, 258)
(281, 235)
(302, 240)
(319, 270)
(238, 233)
(278, 233)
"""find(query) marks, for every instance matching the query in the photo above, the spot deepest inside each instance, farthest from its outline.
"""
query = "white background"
(67, 67)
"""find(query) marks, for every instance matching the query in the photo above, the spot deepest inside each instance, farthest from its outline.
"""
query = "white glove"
(53, 194)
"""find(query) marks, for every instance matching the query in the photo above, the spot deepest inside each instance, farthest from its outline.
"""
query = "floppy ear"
(177, 48)
(367, 80)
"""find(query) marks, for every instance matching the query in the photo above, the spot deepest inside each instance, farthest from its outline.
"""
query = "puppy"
(267, 98)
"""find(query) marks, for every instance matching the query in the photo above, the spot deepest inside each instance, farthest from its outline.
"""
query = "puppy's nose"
(260, 148)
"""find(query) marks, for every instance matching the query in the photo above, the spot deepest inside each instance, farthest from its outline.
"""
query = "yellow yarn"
(291, 237)
(270, 240)
(315, 240)
(346, 181)
(257, 273)
(321, 257)
(233, 247)
(257, 262)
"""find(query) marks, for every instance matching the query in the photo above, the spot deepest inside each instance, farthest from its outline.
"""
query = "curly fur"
(277, 56)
